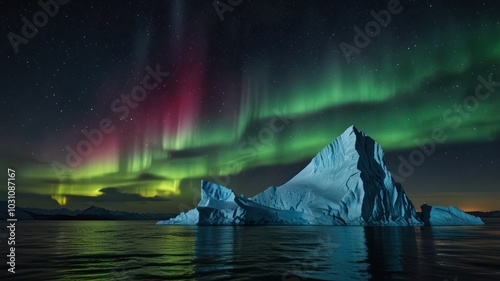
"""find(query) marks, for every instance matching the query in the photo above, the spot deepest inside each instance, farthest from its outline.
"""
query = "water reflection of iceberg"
(345, 256)
(282, 253)
(214, 251)
(327, 253)
(451, 252)
(393, 251)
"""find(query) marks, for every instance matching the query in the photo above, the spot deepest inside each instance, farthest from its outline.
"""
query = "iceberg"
(346, 183)
(438, 215)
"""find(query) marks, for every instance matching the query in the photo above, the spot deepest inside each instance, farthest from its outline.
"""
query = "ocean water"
(141, 250)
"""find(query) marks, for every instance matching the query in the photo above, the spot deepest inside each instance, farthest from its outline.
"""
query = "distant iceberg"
(437, 215)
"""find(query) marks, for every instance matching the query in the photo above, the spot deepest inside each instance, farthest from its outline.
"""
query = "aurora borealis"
(248, 101)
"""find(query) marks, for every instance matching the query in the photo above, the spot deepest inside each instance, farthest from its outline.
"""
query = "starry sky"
(127, 105)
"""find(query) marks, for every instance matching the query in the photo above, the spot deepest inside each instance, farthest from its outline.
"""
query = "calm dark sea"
(141, 250)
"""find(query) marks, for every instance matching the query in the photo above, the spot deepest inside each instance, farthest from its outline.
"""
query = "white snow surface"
(346, 183)
(438, 215)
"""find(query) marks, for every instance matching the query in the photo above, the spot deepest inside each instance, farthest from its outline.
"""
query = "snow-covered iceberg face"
(216, 207)
(438, 215)
(346, 183)
(211, 191)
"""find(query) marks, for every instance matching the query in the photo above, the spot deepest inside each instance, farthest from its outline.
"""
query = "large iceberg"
(437, 215)
(346, 183)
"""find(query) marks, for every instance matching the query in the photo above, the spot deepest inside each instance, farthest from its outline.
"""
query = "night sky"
(128, 105)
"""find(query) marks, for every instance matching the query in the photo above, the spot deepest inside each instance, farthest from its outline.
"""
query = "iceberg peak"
(346, 183)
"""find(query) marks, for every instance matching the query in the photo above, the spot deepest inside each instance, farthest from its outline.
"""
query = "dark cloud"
(104, 179)
(150, 177)
(195, 151)
(114, 194)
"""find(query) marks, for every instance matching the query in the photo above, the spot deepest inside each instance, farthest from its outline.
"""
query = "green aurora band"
(397, 96)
